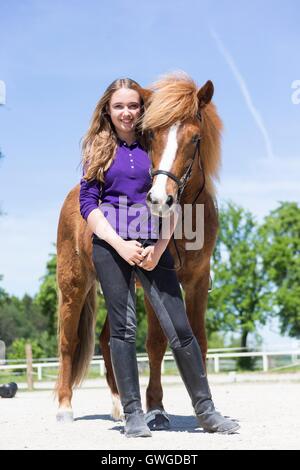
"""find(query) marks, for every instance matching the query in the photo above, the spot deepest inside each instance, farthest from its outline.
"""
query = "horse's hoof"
(65, 416)
(157, 420)
(116, 412)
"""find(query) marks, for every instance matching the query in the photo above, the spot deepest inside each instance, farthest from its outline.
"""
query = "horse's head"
(175, 118)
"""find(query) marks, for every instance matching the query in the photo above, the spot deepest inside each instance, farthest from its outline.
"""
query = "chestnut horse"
(185, 147)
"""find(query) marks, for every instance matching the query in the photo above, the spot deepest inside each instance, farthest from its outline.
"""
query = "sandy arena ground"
(268, 412)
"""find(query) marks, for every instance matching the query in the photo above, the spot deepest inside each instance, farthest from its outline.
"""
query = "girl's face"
(124, 109)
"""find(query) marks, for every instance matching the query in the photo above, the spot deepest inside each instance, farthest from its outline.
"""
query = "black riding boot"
(123, 357)
(190, 364)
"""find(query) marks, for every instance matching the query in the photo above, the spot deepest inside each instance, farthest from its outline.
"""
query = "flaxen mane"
(175, 99)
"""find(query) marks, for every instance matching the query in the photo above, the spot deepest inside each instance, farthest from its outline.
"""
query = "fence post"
(217, 364)
(265, 363)
(39, 372)
(163, 366)
(101, 368)
(28, 351)
(2, 350)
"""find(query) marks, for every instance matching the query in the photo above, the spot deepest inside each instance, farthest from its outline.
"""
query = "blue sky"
(57, 57)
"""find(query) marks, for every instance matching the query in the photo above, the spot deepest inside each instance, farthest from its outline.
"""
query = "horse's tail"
(86, 334)
(86, 338)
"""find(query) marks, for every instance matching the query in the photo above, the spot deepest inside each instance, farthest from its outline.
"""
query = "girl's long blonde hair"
(100, 142)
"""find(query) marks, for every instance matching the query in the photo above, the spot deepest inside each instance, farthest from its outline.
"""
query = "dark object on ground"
(8, 390)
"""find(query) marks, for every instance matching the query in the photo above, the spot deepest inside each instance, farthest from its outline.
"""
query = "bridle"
(182, 182)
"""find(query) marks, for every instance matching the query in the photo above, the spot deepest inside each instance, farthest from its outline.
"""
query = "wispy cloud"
(245, 92)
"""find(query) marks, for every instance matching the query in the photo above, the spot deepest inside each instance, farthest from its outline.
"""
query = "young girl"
(116, 170)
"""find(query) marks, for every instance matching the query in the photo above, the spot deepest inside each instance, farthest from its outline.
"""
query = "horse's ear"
(205, 93)
(146, 95)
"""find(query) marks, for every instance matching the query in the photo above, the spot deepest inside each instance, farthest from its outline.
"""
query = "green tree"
(142, 324)
(11, 325)
(46, 297)
(280, 237)
(33, 317)
(17, 349)
(240, 297)
(3, 294)
(100, 320)
(20, 318)
(215, 340)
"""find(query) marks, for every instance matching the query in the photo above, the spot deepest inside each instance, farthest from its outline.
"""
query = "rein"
(181, 183)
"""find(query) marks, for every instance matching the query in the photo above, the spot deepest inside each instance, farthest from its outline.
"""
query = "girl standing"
(116, 170)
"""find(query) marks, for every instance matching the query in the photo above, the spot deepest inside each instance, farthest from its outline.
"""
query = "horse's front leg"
(196, 295)
(156, 346)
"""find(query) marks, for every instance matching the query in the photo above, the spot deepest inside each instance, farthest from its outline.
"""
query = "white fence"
(216, 357)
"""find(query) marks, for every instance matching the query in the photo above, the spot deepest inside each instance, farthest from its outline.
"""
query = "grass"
(286, 369)
(170, 369)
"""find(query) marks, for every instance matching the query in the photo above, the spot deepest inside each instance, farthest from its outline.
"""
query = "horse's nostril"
(149, 199)
(169, 200)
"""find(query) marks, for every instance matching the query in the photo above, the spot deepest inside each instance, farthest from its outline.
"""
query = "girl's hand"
(151, 258)
(131, 251)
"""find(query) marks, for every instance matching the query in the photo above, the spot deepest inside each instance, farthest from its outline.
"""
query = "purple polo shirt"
(123, 195)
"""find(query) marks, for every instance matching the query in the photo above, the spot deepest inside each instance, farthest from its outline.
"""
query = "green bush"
(17, 349)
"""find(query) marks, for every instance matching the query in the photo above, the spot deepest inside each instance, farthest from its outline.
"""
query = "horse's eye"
(195, 138)
(151, 135)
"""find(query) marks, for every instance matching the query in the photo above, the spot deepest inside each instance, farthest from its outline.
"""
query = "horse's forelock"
(174, 99)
